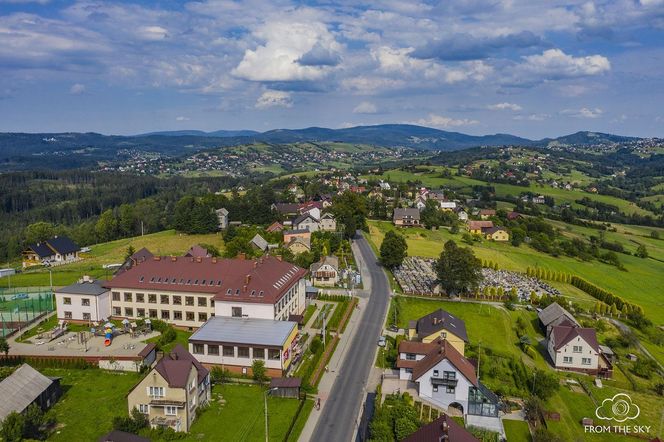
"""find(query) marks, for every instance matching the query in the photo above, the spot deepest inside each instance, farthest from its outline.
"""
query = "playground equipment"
(108, 334)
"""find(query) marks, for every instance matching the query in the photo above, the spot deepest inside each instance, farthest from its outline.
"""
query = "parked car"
(382, 341)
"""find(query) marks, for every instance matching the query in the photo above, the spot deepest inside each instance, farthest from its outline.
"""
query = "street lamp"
(265, 401)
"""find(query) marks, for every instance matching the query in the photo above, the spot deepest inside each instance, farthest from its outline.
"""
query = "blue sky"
(528, 67)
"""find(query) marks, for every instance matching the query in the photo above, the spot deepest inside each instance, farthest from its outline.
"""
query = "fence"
(21, 306)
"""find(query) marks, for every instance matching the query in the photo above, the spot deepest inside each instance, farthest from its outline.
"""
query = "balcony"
(444, 380)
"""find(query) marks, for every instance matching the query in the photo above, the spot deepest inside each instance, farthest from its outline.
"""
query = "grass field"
(434, 179)
(517, 431)
(242, 417)
(167, 242)
(90, 401)
(181, 337)
(640, 283)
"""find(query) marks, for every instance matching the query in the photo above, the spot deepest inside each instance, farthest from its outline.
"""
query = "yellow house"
(439, 324)
(496, 234)
(299, 245)
(171, 392)
(476, 227)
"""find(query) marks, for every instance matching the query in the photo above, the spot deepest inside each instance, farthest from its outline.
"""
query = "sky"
(526, 67)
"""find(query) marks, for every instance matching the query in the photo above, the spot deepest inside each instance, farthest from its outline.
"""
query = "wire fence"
(20, 306)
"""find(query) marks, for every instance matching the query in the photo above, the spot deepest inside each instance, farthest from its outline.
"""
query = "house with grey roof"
(554, 315)
(27, 386)
(260, 243)
(84, 301)
(439, 324)
(235, 343)
(54, 251)
(406, 217)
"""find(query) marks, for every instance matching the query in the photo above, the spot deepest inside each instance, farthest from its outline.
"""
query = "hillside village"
(272, 303)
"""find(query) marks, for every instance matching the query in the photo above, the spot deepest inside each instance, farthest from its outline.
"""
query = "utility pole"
(479, 354)
(265, 401)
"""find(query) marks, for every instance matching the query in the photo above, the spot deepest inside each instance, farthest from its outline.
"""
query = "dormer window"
(188, 281)
(261, 294)
(141, 279)
(203, 282)
(229, 292)
(152, 279)
(253, 293)
(196, 282)
(219, 282)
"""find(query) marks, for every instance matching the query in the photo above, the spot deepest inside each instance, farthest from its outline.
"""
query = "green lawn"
(242, 417)
(640, 283)
(90, 401)
(167, 242)
(478, 317)
(182, 338)
(517, 431)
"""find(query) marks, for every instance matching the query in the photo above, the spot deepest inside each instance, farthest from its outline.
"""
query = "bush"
(316, 345)
(644, 367)
(167, 336)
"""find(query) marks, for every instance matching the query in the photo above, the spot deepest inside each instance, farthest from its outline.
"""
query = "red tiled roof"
(262, 280)
(416, 347)
(441, 349)
(442, 429)
(563, 334)
(405, 363)
(476, 225)
(285, 383)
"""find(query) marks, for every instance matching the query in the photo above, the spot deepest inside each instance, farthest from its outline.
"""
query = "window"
(273, 354)
(243, 352)
(129, 311)
(567, 360)
(190, 316)
(171, 410)
(202, 317)
(449, 375)
(229, 351)
(117, 311)
(116, 296)
(435, 388)
(144, 408)
(85, 302)
(163, 299)
(66, 301)
(259, 353)
(236, 312)
(177, 315)
(435, 373)
(199, 349)
(189, 300)
(177, 300)
(213, 350)
(67, 315)
(156, 391)
(87, 316)
(449, 389)
(127, 297)
(140, 312)
(153, 313)
(140, 297)
(165, 314)
(585, 361)
(152, 298)
(202, 301)
(410, 356)
(577, 349)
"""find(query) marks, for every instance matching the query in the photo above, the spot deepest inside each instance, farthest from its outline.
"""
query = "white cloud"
(365, 107)
(441, 121)
(271, 98)
(504, 106)
(77, 89)
(584, 112)
(152, 33)
(555, 64)
(532, 117)
(286, 43)
(182, 118)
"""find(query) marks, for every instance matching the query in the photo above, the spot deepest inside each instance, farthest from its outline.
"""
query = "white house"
(306, 221)
(328, 223)
(463, 215)
(384, 185)
(447, 380)
(222, 216)
(84, 301)
(575, 349)
(55, 251)
(448, 205)
(234, 343)
(325, 272)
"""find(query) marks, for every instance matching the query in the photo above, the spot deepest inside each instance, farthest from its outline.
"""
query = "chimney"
(214, 260)
(157, 258)
(279, 257)
(247, 279)
(241, 256)
(199, 259)
(244, 288)
(255, 263)
(173, 259)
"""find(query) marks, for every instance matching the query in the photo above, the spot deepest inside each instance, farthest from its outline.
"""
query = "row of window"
(169, 410)
(86, 316)
(231, 351)
(448, 389)
(569, 360)
(85, 302)
(201, 301)
(182, 281)
(166, 315)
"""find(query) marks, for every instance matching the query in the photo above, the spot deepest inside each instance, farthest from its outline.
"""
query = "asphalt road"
(338, 420)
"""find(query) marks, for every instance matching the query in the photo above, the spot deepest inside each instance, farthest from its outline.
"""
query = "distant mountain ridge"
(29, 150)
